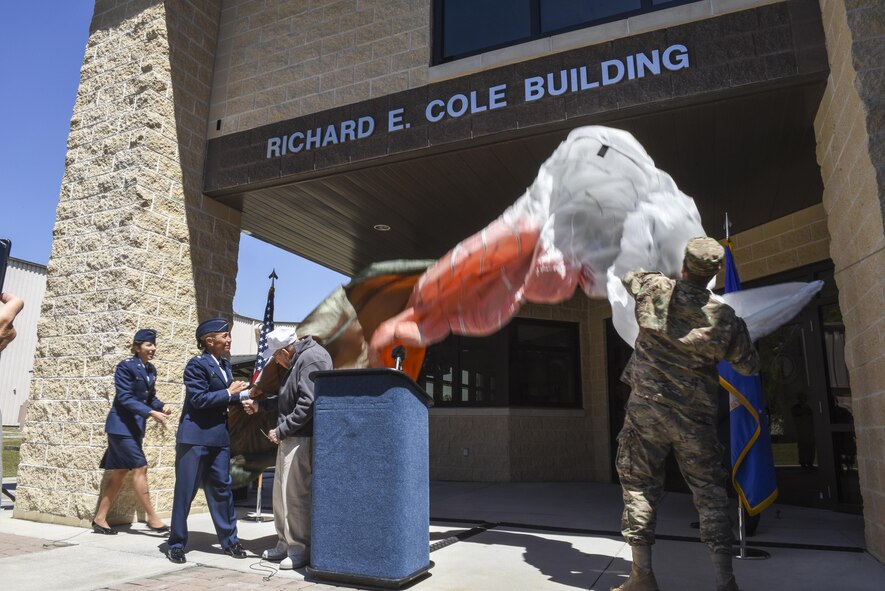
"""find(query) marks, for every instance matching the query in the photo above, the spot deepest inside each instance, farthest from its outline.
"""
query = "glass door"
(808, 399)
(844, 485)
(793, 402)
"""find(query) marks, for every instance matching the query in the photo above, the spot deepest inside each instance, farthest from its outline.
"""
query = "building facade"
(356, 131)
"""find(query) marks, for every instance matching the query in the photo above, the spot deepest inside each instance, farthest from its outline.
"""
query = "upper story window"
(468, 27)
(528, 363)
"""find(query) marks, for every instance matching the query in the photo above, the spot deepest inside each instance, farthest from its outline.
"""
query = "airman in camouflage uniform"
(684, 331)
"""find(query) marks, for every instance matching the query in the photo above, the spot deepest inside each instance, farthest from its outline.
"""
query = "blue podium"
(370, 492)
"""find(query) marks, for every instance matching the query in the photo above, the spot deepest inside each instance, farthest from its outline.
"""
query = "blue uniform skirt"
(123, 453)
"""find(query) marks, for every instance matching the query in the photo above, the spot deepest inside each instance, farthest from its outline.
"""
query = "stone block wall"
(485, 433)
(850, 129)
(280, 60)
(135, 245)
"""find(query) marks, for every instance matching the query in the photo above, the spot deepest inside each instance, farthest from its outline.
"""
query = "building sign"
(585, 78)
(685, 64)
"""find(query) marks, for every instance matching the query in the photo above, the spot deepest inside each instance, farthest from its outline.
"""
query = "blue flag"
(752, 471)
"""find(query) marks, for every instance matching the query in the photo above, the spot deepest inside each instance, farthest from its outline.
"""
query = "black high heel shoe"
(103, 530)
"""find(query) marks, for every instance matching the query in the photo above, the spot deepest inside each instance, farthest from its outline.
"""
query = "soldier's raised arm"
(741, 353)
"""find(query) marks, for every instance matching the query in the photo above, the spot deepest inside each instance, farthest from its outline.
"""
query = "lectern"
(370, 489)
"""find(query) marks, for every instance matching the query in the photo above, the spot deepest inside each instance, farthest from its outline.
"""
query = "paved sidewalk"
(13, 545)
(484, 536)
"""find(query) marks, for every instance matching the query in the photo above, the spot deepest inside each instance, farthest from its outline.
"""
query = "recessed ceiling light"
(381, 227)
(246, 232)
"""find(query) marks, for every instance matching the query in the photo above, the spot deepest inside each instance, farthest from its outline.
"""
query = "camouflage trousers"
(650, 431)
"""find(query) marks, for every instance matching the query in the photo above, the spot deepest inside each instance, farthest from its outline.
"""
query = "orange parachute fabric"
(474, 289)
(377, 298)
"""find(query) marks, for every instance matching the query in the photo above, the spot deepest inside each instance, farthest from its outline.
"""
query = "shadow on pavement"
(558, 560)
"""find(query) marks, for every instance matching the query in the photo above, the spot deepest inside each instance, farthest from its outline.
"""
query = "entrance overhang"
(736, 134)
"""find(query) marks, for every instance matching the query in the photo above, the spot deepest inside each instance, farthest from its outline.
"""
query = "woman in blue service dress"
(135, 401)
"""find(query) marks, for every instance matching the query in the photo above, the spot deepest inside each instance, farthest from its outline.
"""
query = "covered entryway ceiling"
(752, 156)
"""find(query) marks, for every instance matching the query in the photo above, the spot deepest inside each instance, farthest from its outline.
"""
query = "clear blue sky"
(41, 51)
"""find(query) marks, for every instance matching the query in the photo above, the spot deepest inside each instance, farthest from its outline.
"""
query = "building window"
(467, 27)
(529, 363)
(557, 15)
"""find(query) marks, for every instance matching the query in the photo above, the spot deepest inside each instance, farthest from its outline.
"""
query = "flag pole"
(743, 553)
(266, 326)
(742, 530)
(742, 527)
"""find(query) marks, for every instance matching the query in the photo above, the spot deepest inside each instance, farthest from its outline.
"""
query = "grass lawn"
(12, 440)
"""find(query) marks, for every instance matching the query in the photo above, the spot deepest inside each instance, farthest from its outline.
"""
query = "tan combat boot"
(638, 580)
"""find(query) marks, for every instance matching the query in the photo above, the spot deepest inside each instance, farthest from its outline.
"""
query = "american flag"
(266, 327)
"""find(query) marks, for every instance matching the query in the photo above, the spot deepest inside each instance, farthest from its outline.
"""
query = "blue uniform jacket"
(204, 413)
(134, 400)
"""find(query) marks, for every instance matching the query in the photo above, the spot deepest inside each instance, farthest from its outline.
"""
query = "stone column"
(136, 245)
(850, 129)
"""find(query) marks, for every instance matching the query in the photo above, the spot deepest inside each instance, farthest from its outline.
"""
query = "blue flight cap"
(212, 325)
(145, 335)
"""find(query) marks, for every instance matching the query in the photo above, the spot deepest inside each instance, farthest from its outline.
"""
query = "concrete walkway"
(484, 536)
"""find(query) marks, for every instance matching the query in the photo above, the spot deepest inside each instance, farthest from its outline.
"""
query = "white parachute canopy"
(608, 211)
(764, 309)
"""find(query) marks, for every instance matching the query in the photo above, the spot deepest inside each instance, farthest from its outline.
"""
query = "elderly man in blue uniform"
(202, 452)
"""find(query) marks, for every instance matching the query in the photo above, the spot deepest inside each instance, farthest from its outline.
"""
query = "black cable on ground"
(264, 567)
(62, 543)
(485, 526)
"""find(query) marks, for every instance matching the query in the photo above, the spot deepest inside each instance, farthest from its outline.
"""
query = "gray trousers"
(291, 492)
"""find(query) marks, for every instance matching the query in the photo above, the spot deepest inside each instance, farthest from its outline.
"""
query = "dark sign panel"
(723, 55)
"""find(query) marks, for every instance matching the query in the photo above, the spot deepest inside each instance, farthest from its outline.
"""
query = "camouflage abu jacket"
(684, 331)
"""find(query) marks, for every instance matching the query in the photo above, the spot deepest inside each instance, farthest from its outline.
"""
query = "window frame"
(573, 349)
(438, 27)
(505, 346)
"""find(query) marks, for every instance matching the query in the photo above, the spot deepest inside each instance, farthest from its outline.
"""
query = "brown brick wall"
(533, 444)
(794, 240)
(280, 60)
(850, 128)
